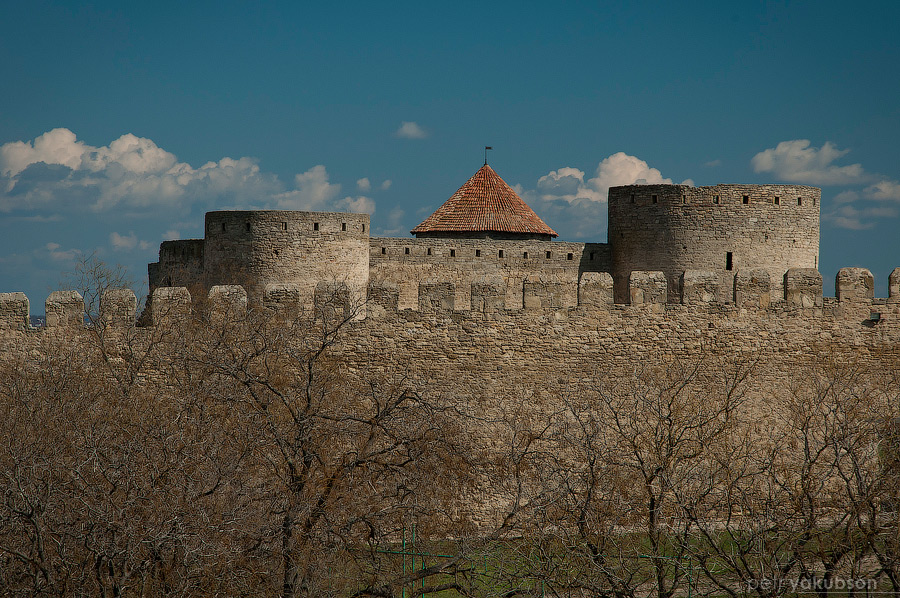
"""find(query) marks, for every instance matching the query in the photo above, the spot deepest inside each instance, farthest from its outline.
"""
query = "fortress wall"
(256, 248)
(407, 261)
(500, 364)
(674, 228)
(180, 264)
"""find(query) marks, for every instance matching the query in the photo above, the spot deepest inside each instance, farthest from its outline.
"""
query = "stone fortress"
(722, 238)
(684, 266)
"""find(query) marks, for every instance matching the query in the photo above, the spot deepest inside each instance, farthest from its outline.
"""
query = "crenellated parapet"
(14, 313)
(701, 292)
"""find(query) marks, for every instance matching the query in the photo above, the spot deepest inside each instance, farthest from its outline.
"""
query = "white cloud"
(58, 172)
(123, 242)
(577, 207)
(797, 162)
(364, 184)
(885, 190)
(568, 183)
(848, 216)
(314, 192)
(56, 253)
(410, 130)
(58, 146)
(386, 184)
(171, 235)
(127, 242)
(359, 204)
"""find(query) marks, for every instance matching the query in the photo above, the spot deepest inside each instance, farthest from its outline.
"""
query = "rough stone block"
(894, 286)
(435, 295)
(170, 304)
(333, 300)
(64, 308)
(282, 297)
(14, 311)
(544, 292)
(117, 307)
(228, 299)
(647, 287)
(489, 294)
(699, 286)
(854, 284)
(803, 287)
(384, 294)
(595, 289)
(752, 289)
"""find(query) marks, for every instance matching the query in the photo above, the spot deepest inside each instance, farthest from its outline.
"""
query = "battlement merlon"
(592, 292)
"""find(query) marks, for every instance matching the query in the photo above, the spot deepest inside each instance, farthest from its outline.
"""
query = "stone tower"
(723, 228)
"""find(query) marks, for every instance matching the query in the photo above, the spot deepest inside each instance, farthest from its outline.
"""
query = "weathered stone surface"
(384, 294)
(436, 295)
(699, 286)
(230, 298)
(722, 228)
(595, 289)
(803, 287)
(282, 297)
(647, 287)
(488, 294)
(464, 261)
(894, 286)
(548, 292)
(14, 311)
(854, 284)
(335, 300)
(752, 289)
(170, 304)
(64, 308)
(117, 307)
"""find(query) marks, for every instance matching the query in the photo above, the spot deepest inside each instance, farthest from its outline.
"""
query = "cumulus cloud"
(127, 242)
(576, 206)
(410, 130)
(122, 241)
(56, 171)
(314, 192)
(56, 253)
(568, 184)
(797, 162)
(386, 184)
(885, 190)
(364, 184)
(171, 235)
(848, 216)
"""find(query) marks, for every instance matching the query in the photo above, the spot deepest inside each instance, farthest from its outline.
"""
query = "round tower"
(723, 228)
(254, 248)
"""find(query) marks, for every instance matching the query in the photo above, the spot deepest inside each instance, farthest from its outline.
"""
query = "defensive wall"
(722, 228)
(406, 262)
(499, 358)
(545, 303)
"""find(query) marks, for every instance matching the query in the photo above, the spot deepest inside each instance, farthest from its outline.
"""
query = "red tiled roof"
(485, 203)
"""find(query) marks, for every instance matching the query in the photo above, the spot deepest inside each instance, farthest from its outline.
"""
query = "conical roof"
(485, 203)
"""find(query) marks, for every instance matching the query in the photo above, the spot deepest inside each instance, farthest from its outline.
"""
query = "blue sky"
(122, 123)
